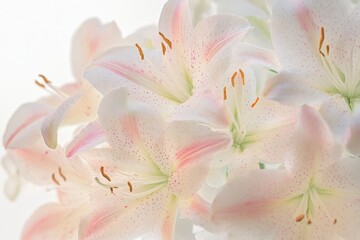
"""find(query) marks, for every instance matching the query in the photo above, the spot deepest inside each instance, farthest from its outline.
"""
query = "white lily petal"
(131, 128)
(288, 88)
(12, 186)
(91, 39)
(91, 135)
(336, 113)
(214, 33)
(53, 221)
(124, 220)
(23, 125)
(52, 122)
(353, 136)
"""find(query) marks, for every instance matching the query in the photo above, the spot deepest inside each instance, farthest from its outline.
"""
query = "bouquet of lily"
(235, 119)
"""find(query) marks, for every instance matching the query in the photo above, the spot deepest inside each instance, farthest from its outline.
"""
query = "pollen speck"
(335, 221)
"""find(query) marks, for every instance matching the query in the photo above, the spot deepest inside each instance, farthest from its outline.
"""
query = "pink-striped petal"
(91, 135)
(52, 122)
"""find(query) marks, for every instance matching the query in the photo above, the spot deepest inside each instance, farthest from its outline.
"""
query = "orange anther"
(300, 218)
(140, 51)
(46, 80)
(233, 79)
(242, 74)
(130, 186)
(255, 102)
(54, 179)
(168, 42)
(163, 48)
(61, 174)
(102, 170)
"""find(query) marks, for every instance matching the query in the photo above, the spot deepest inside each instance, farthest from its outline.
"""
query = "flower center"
(130, 184)
(310, 205)
(239, 109)
(344, 84)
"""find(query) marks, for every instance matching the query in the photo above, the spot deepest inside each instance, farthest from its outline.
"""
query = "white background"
(35, 37)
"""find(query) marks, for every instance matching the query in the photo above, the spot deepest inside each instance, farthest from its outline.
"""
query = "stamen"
(163, 47)
(224, 93)
(300, 218)
(49, 84)
(61, 174)
(242, 74)
(233, 79)
(321, 41)
(39, 84)
(168, 42)
(104, 174)
(112, 189)
(327, 49)
(46, 80)
(140, 51)
(130, 186)
(54, 179)
(255, 102)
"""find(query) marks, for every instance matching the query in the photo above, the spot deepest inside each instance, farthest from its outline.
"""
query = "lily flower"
(188, 60)
(315, 196)
(260, 128)
(72, 181)
(317, 42)
(257, 12)
(149, 168)
(73, 103)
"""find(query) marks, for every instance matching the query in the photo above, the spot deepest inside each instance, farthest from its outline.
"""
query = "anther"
(300, 218)
(140, 51)
(327, 49)
(309, 222)
(255, 102)
(321, 41)
(39, 84)
(233, 79)
(112, 189)
(46, 80)
(335, 221)
(242, 74)
(224, 93)
(102, 170)
(168, 42)
(54, 179)
(61, 174)
(130, 186)
(163, 48)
